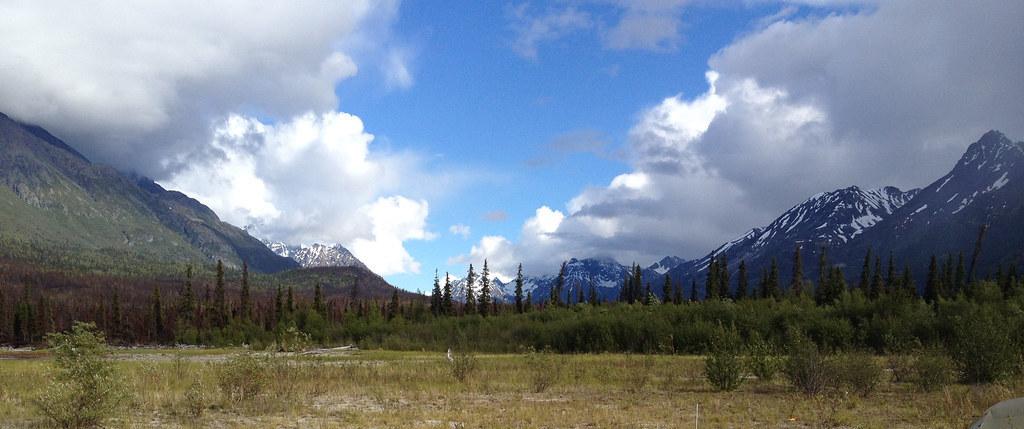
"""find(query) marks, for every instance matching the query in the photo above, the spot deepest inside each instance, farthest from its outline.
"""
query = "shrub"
(641, 373)
(243, 376)
(86, 388)
(932, 371)
(982, 346)
(901, 366)
(722, 367)
(859, 372)
(463, 365)
(764, 362)
(544, 368)
(195, 399)
(806, 367)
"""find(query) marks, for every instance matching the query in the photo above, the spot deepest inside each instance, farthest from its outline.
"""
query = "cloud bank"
(889, 94)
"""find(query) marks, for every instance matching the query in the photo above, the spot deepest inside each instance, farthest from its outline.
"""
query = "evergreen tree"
(157, 315)
(947, 277)
(711, 284)
(485, 290)
(245, 305)
(117, 328)
(909, 288)
(648, 294)
(890, 277)
(838, 283)
(822, 291)
(519, 289)
(187, 306)
(742, 286)
(291, 300)
(693, 290)
(773, 280)
(592, 299)
(958, 279)
(470, 298)
(876, 280)
(220, 307)
(556, 293)
(931, 287)
(666, 289)
(393, 306)
(638, 288)
(796, 283)
(723, 277)
(678, 297)
(865, 273)
(447, 306)
(279, 306)
(762, 285)
(318, 301)
(435, 297)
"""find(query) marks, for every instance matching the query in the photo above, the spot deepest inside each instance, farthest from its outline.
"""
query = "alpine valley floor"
(384, 389)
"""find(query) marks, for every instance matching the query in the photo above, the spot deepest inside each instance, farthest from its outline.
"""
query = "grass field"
(180, 388)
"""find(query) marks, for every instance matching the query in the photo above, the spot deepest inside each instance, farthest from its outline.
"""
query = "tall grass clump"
(85, 389)
(544, 368)
(244, 376)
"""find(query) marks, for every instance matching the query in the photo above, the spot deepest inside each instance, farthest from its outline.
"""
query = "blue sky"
(630, 129)
(479, 105)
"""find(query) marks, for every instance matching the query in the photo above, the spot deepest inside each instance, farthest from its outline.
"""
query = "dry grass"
(417, 390)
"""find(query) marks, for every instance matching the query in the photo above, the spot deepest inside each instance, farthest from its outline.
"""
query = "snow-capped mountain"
(316, 255)
(605, 274)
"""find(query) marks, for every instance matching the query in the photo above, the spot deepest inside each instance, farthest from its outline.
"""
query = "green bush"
(933, 371)
(764, 361)
(901, 367)
(723, 367)
(982, 346)
(244, 376)
(806, 367)
(85, 389)
(859, 372)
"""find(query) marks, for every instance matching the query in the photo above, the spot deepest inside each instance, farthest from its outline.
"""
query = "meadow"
(231, 388)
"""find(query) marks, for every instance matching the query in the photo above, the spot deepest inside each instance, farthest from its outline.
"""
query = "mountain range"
(984, 188)
(316, 255)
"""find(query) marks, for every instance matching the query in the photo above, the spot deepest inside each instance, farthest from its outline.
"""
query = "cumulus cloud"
(132, 84)
(890, 94)
(311, 179)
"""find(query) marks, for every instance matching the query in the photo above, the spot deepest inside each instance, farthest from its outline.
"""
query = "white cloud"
(886, 95)
(460, 230)
(135, 83)
(312, 179)
(530, 30)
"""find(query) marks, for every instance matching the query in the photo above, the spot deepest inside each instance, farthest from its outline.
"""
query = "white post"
(696, 418)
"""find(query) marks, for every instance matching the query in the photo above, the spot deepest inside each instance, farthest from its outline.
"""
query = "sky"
(426, 136)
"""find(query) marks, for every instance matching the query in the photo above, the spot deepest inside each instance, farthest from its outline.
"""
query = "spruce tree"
(947, 277)
(556, 293)
(773, 280)
(447, 307)
(519, 289)
(638, 288)
(291, 300)
(156, 315)
(245, 305)
(318, 301)
(393, 306)
(931, 286)
(909, 288)
(762, 285)
(865, 273)
(876, 280)
(648, 294)
(279, 306)
(666, 289)
(470, 306)
(723, 277)
(220, 307)
(743, 283)
(796, 283)
(838, 283)
(693, 290)
(435, 297)
(890, 277)
(187, 306)
(485, 291)
(958, 279)
(821, 292)
(711, 284)
(678, 297)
